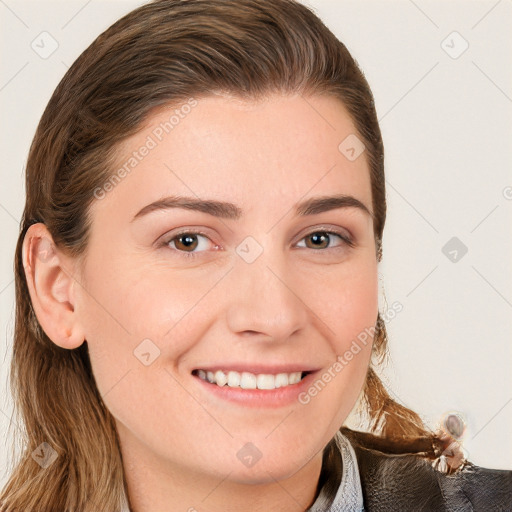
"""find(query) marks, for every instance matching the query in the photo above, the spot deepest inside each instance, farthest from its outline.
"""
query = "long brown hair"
(161, 53)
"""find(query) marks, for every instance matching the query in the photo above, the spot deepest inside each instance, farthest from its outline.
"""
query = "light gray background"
(447, 131)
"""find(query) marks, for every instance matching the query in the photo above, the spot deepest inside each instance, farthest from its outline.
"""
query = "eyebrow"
(231, 211)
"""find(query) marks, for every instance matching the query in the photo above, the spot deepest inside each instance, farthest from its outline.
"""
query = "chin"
(264, 473)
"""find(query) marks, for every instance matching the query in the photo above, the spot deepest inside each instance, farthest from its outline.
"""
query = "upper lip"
(258, 368)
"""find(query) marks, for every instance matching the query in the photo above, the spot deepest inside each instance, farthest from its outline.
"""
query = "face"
(257, 287)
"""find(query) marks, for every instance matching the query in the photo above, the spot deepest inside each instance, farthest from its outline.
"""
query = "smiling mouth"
(247, 380)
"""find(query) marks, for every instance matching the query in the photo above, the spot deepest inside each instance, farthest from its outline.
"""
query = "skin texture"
(294, 304)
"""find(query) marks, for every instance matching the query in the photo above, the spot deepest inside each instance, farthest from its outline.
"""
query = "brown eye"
(319, 240)
(186, 242)
(189, 244)
(325, 239)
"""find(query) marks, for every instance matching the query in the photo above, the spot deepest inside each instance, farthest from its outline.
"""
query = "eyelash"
(346, 240)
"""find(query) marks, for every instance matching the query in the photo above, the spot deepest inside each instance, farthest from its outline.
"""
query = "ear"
(50, 279)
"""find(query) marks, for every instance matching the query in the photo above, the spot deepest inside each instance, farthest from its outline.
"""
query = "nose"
(265, 300)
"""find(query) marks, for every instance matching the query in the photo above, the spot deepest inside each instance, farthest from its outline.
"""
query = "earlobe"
(49, 276)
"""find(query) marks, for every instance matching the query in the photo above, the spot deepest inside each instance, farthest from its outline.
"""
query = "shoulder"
(408, 482)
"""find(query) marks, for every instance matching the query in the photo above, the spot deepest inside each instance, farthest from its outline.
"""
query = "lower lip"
(271, 398)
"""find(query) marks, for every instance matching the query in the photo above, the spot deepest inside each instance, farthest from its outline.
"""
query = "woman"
(196, 280)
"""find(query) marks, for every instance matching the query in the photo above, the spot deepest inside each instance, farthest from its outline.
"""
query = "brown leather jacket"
(402, 483)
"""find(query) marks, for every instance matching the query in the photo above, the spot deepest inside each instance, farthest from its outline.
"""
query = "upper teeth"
(246, 380)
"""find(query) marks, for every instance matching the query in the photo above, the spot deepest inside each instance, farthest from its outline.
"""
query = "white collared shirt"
(349, 497)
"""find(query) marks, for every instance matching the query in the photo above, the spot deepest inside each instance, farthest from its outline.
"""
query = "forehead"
(274, 151)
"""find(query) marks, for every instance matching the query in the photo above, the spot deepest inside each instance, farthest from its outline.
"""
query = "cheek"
(347, 302)
(130, 310)
(140, 325)
(350, 316)
(357, 315)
